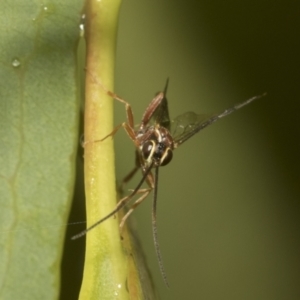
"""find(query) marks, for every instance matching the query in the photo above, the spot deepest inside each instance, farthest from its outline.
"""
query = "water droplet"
(119, 286)
(48, 8)
(81, 30)
(16, 63)
(81, 26)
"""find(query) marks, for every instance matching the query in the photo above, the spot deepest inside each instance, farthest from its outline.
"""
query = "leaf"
(39, 113)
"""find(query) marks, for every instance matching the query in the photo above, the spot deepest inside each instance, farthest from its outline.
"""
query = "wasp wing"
(186, 125)
(161, 114)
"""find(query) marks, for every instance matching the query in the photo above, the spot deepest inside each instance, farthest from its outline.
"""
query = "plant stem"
(105, 264)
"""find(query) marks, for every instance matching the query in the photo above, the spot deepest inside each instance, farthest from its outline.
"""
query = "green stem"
(113, 267)
(105, 264)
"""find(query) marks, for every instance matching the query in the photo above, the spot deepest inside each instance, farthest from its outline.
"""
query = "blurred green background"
(228, 204)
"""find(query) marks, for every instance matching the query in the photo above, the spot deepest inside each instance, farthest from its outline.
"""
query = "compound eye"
(167, 157)
(147, 149)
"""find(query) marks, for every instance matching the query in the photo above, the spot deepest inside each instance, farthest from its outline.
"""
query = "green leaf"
(39, 113)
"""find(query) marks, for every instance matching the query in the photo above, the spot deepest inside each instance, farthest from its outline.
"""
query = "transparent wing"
(186, 125)
(161, 115)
